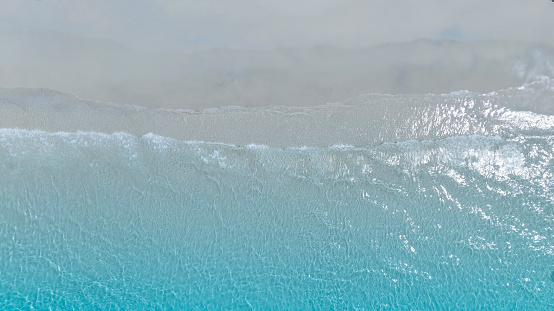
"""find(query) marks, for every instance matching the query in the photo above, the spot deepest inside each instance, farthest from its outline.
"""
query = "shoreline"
(361, 121)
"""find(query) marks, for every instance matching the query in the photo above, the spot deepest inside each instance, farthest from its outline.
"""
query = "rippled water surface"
(380, 202)
(119, 221)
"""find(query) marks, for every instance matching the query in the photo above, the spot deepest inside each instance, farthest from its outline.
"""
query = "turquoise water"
(117, 221)
(414, 202)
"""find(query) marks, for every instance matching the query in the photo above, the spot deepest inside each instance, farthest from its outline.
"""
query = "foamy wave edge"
(359, 122)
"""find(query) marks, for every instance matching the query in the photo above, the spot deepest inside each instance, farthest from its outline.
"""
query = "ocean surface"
(422, 201)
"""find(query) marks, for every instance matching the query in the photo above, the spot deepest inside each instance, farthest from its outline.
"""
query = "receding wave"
(361, 121)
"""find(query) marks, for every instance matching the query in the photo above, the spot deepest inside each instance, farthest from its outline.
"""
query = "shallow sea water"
(117, 221)
(393, 202)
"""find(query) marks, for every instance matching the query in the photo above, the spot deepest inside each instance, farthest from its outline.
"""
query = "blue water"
(117, 221)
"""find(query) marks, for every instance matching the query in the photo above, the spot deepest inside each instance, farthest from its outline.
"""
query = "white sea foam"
(341, 146)
(362, 121)
(256, 147)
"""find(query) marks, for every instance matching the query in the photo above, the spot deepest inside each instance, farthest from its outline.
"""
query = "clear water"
(449, 208)
(118, 221)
